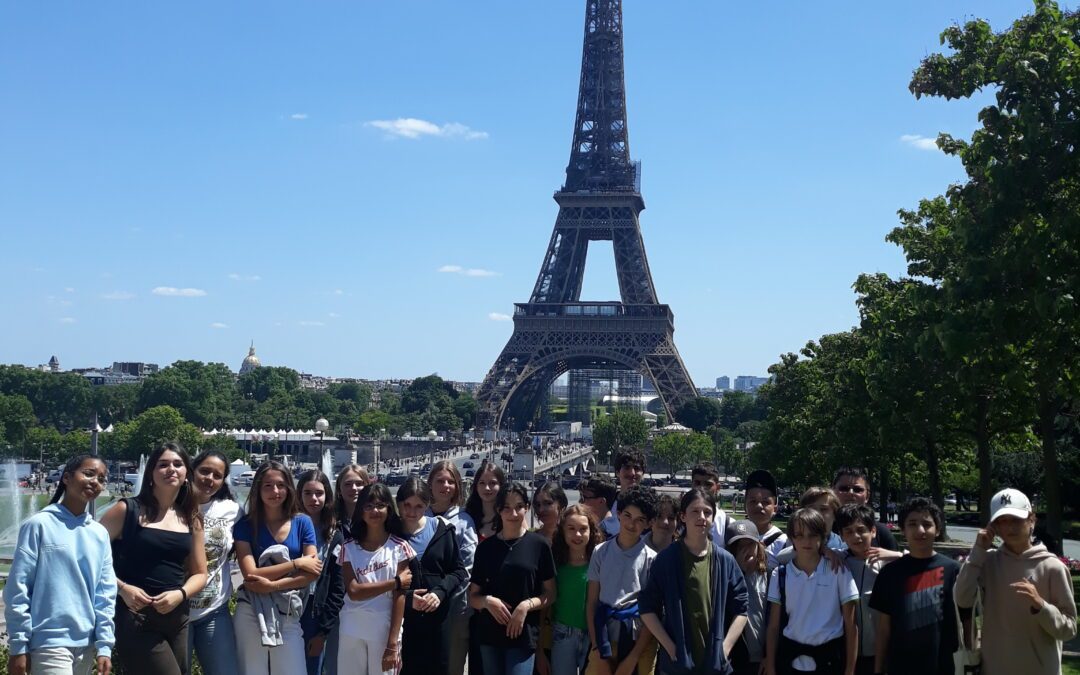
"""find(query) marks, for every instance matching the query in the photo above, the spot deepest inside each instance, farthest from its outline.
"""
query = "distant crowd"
(342, 576)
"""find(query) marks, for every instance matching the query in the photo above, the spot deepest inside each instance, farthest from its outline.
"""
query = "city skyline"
(168, 203)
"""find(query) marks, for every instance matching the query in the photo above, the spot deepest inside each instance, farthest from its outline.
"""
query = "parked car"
(53, 476)
(245, 478)
(475, 455)
(570, 482)
(395, 479)
(470, 473)
(467, 465)
(950, 500)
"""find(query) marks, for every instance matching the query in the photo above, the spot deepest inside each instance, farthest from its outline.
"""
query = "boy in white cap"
(1027, 593)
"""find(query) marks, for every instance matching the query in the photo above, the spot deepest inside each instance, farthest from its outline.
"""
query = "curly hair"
(560, 549)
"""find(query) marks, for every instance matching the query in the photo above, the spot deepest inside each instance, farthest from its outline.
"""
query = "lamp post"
(321, 425)
(431, 436)
(378, 449)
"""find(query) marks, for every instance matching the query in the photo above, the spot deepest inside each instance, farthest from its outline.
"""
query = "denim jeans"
(212, 639)
(507, 660)
(326, 662)
(569, 650)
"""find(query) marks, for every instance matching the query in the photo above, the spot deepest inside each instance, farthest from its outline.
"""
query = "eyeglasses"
(375, 506)
(857, 489)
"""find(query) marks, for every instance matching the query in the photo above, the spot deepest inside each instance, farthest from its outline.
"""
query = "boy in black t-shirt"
(916, 631)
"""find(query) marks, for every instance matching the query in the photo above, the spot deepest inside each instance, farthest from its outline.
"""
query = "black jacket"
(330, 588)
(440, 570)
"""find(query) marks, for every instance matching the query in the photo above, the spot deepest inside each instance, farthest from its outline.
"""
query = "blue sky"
(177, 179)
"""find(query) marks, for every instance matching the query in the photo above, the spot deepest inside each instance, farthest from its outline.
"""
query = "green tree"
(151, 428)
(616, 429)
(202, 392)
(680, 451)
(699, 413)
(16, 418)
(737, 407)
(371, 421)
(119, 403)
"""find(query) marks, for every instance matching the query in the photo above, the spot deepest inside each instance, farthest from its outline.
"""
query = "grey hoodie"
(1016, 638)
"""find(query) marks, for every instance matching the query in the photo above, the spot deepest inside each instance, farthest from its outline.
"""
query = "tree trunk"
(1048, 410)
(933, 467)
(986, 460)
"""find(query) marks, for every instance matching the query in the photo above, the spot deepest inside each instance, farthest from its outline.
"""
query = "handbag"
(967, 660)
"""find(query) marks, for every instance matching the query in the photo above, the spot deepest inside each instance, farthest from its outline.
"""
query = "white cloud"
(414, 129)
(69, 289)
(496, 316)
(218, 324)
(240, 277)
(338, 291)
(173, 292)
(312, 323)
(333, 315)
(67, 319)
(467, 272)
(920, 142)
(118, 295)
(298, 116)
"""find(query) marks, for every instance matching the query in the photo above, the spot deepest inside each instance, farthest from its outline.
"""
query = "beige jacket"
(1016, 638)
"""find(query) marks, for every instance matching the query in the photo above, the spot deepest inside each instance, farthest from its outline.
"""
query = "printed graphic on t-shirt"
(217, 539)
(923, 597)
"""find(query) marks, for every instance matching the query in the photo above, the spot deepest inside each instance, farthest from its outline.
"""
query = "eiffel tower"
(601, 200)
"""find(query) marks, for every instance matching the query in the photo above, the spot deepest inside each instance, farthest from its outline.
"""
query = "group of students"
(346, 577)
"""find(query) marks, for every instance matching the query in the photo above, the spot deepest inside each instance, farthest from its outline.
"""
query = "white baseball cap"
(1009, 502)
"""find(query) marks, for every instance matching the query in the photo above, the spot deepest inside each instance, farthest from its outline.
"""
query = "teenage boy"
(598, 495)
(916, 629)
(618, 570)
(853, 487)
(1027, 593)
(820, 635)
(706, 477)
(760, 492)
(864, 560)
(629, 470)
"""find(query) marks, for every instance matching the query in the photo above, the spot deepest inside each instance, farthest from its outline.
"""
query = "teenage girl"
(447, 496)
(578, 535)
(437, 575)
(210, 624)
(695, 600)
(160, 562)
(547, 503)
(513, 578)
(351, 481)
(375, 564)
(490, 478)
(61, 592)
(749, 552)
(275, 578)
(320, 618)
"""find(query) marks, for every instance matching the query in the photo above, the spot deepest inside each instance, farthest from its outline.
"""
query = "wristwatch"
(397, 583)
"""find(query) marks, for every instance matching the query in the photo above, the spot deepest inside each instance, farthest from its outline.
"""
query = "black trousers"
(148, 642)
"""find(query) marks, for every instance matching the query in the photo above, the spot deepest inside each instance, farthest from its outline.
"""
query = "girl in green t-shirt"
(579, 533)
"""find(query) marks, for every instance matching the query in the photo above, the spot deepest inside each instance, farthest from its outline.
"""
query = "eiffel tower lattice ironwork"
(555, 331)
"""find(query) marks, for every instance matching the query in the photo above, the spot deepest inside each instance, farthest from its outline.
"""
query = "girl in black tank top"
(160, 562)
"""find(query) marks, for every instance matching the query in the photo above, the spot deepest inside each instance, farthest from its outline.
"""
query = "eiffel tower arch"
(600, 201)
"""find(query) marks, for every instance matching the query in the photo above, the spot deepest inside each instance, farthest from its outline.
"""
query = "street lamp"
(321, 425)
(378, 448)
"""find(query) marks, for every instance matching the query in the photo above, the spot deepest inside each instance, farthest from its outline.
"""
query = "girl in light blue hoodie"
(61, 592)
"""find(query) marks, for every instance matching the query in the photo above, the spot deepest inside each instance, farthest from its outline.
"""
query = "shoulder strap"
(781, 581)
(771, 538)
(131, 517)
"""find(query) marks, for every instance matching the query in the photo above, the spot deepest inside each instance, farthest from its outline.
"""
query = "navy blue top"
(301, 534)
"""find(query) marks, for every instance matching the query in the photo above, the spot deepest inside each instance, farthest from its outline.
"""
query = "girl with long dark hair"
(547, 503)
(320, 619)
(513, 578)
(275, 548)
(376, 567)
(437, 575)
(160, 564)
(447, 496)
(490, 479)
(61, 593)
(210, 624)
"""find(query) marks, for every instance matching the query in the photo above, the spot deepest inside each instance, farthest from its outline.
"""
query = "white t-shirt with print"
(219, 516)
(370, 619)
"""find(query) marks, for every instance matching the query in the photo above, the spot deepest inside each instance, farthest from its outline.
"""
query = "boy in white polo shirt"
(812, 618)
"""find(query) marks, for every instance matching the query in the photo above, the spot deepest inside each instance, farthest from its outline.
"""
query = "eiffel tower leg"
(669, 374)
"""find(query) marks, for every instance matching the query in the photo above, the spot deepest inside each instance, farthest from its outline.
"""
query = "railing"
(597, 309)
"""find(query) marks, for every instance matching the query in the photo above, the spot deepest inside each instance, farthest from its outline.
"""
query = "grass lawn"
(1070, 665)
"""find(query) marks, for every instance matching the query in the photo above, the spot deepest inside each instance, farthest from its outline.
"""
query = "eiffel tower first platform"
(601, 200)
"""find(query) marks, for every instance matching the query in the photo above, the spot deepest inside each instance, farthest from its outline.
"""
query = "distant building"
(107, 378)
(135, 368)
(723, 383)
(54, 364)
(251, 362)
(749, 383)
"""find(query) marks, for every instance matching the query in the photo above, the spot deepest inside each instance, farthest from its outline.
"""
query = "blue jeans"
(569, 650)
(212, 639)
(508, 660)
(326, 662)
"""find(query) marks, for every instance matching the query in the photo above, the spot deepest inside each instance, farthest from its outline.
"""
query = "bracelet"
(391, 649)
(294, 565)
(397, 583)
(183, 593)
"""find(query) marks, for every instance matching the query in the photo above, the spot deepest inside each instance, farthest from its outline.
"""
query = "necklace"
(510, 544)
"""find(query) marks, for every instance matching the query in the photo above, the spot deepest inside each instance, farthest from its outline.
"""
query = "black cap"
(761, 478)
(740, 529)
